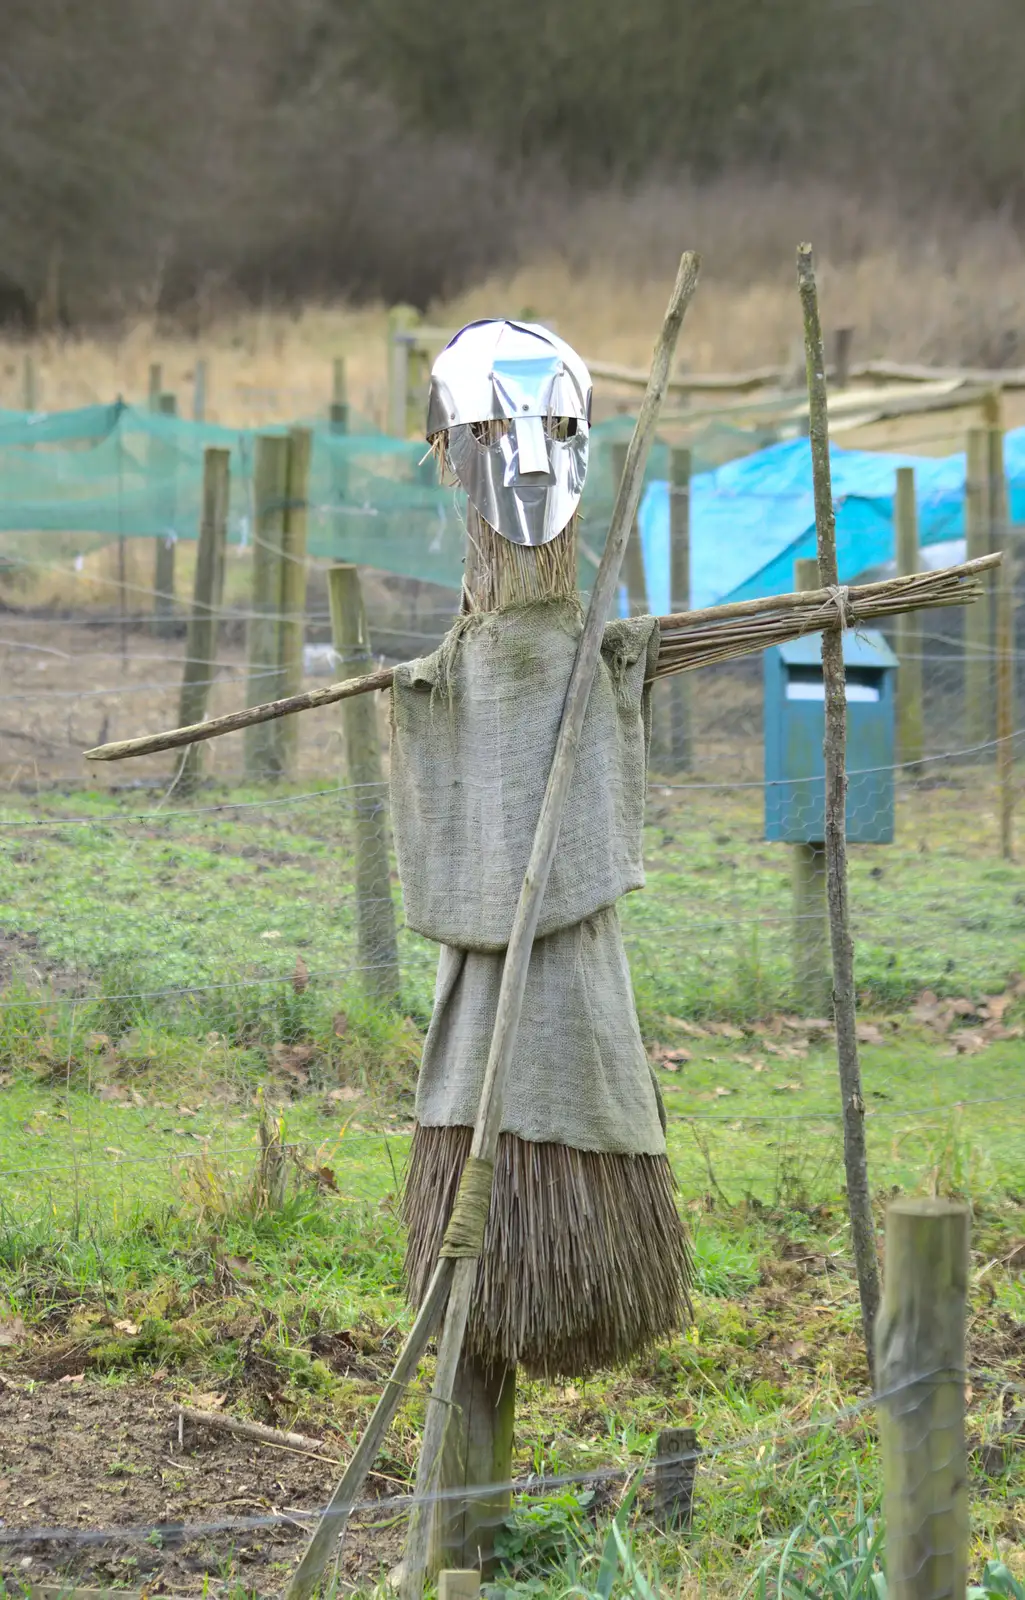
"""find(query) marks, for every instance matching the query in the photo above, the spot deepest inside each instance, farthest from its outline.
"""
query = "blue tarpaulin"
(753, 518)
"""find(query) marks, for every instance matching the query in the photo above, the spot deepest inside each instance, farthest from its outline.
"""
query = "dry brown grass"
(933, 288)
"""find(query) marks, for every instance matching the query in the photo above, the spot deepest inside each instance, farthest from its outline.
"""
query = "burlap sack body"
(474, 728)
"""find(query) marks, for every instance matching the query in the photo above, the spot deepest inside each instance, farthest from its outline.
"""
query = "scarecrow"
(585, 1258)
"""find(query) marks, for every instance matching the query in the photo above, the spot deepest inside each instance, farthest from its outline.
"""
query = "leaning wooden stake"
(292, 627)
(859, 1199)
(681, 733)
(262, 759)
(201, 639)
(920, 1366)
(812, 986)
(461, 1273)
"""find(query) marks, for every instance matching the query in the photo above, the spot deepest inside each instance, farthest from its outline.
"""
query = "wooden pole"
(812, 976)
(1005, 641)
(201, 638)
(478, 1450)
(681, 734)
(673, 1499)
(859, 1199)
(292, 629)
(633, 560)
(375, 912)
(456, 1583)
(401, 321)
(920, 1363)
(910, 730)
(199, 378)
(270, 474)
(29, 388)
(842, 357)
(978, 639)
(156, 386)
(163, 570)
(338, 412)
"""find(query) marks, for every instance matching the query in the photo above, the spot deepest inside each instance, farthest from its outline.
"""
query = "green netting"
(73, 480)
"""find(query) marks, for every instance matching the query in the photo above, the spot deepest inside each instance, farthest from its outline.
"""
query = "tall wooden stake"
(262, 759)
(1004, 608)
(292, 628)
(375, 913)
(920, 1362)
(808, 881)
(910, 732)
(859, 1199)
(633, 559)
(163, 572)
(199, 378)
(201, 639)
(681, 732)
(456, 1278)
(978, 634)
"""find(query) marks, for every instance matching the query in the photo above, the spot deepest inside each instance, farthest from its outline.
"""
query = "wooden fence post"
(270, 478)
(478, 1455)
(459, 1583)
(910, 731)
(920, 1368)
(672, 1506)
(978, 636)
(375, 911)
(812, 975)
(633, 560)
(842, 357)
(156, 385)
(401, 321)
(199, 390)
(292, 630)
(338, 413)
(163, 568)
(201, 639)
(680, 685)
(1000, 530)
(29, 389)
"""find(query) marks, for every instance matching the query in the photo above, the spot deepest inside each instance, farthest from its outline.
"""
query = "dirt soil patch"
(96, 1488)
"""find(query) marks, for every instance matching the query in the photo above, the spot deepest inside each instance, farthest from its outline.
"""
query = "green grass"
(156, 1018)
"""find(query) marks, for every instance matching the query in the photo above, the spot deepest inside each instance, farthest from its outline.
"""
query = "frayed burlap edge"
(585, 1257)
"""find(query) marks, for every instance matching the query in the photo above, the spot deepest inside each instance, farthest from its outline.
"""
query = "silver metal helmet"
(528, 482)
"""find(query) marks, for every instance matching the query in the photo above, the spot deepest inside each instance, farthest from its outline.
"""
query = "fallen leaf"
(726, 1030)
(294, 1058)
(124, 1326)
(995, 1005)
(692, 1028)
(327, 1178)
(208, 1402)
(113, 1152)
(787, 1088)
(111, 1091)
(969, 1044)
(97, 1041)
(12, 1332)
(868, 1033)
(760, 1066)
(340, 1025)
(720, 1090)
(346, 1092)
(301, 976)
(271, 933)
(186, 1111)
(72, 1377)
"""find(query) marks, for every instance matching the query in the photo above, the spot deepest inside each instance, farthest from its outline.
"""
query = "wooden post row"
(165, 456)
(910, 729)
(812, 975)
(375, 911)
(201, 639)
(920, 1372)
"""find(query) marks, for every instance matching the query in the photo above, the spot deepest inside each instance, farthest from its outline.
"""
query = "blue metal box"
(794, 728)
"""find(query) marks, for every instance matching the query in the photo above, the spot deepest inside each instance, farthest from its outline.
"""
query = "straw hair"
(585, 1257)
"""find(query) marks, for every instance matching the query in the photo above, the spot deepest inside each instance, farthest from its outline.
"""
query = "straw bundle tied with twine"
(690, 639)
